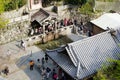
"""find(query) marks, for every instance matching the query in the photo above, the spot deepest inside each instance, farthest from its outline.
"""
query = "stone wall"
(14, 31)
(17, 26)
(107, 6)
(42, 38)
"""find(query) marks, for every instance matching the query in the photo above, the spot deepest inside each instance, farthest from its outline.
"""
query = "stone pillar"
(56, 35)
(44, 35)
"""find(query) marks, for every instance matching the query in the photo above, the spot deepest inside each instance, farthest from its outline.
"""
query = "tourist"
(6, 70)
(89, 33)
(65, 22)
(24, 45)
(32, 32)
(53, 72)
(55, 76)
(31, 63)
(43, 61)
(75, 22)
(46, 58)
(61, 23)
(48, 71)
(43, 73)
(21, 43)
(60, 74)
(38, 63)
(63, 76)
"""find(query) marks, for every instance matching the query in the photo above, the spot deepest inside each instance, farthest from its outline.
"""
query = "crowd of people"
(83, 29)
(50, 25)
(55, 73)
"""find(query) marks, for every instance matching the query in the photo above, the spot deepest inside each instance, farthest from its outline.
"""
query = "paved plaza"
(18, 61)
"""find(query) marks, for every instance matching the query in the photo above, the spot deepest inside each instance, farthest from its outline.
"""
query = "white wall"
(33, 6)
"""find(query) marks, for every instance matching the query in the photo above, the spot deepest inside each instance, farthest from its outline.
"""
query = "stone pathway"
(19, 62)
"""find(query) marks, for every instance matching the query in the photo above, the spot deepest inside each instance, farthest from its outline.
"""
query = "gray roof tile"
(92, 52)
(86, 56)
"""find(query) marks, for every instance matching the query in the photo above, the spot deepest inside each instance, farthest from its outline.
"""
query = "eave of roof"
(63, 61)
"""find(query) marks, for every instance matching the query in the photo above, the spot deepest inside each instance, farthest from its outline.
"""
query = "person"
(43, 73)
(63, 76)
(61, 23)
(31, 64)
(23, 45)
(53, 72)
(89, 33)
(75, 22)
(55, 76)
(38, 63)
(65, 22)
(6, 70)
(43, 61)
(48, 71)
(46, 58)
(60, 73)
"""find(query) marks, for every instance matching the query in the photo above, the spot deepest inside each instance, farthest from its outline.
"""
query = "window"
(36, 1)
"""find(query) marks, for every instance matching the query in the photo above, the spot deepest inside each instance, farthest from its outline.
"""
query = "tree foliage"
(87, 8)
(1, 6)
(111, 72)
(73, 2)
(3, 21)
(76, 2)
(13, 4)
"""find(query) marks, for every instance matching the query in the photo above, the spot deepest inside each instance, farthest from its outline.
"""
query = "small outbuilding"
(108, 21)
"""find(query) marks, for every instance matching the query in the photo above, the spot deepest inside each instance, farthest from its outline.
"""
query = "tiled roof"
(111, 20)
(86, 56)
(63, 61)
(39, 16)
(90, 53)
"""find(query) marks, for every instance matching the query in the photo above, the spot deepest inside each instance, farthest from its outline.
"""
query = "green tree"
(111, 72)
(13, 4)
(3, 21)
(1, 6)
(75, 2)
(86, 9)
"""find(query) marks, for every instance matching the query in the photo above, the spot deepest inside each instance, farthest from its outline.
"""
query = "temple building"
(34, 4)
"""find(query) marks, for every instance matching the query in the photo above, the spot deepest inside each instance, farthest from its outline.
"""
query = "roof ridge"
(88, 38)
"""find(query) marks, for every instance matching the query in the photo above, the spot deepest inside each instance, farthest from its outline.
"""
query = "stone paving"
(18, 62)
